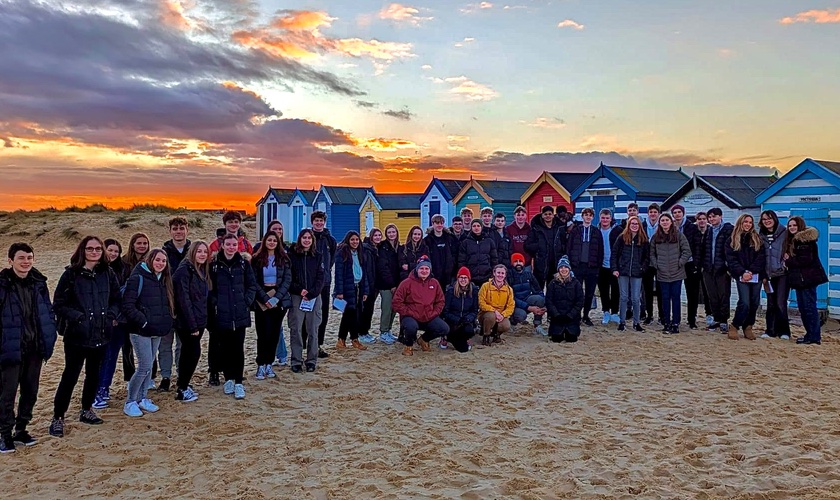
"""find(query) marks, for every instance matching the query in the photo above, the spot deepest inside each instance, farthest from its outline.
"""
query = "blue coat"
(344, 283)
(11, 320)
(524, 285)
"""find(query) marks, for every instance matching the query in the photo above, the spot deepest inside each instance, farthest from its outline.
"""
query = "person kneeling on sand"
(461, 310)
(419, 302)
(527, 294)
(564, 301)
(496, 305)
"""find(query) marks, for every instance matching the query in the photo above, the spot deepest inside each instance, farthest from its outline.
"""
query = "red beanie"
(464, 272)
(517, 256)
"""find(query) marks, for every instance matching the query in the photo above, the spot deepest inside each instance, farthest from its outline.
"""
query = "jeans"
(521, 315)
(670, 298)
(112, 353)
(432, 329)
(608, 287)
(145, 349)
(588, 277)
(268, 324)
(165, 354)
(749, 297)
(190, 354)
(27, 375)
(386, 318)
(777, 319)
(297, 321)
(631, 289)
(74, 358)
(806, 301)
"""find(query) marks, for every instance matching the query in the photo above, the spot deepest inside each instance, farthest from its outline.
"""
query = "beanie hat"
(517, 256)
(423, 261)
(547, 208)
(564, 262)
(464, 272)
(678, 207)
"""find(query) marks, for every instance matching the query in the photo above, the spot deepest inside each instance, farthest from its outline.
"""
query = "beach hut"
(734, 195)
(437, 199)
(379, 210)
(291, 207)
(341, 204)
(501, 196)
(812, 191)
(551, 188)
(616, 187)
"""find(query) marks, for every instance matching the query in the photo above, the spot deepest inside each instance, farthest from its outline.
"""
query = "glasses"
(93, 249)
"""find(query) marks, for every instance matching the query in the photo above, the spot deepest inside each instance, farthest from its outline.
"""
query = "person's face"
(271, 243)
(678, 214)
(424, 272)
(793, 227)
(22, 262)
(458, 226)
(634, 225)
(391, 233)
(548, 216)
(702, 221)
(353, 242)
(277, 228)
(767, 221)
(178, 232)
(437, 225)
(232, 226)
(605, 220)
(230, 247)
(141, 246)
(747, 224)
(487, 219)
(159, 262)
(519, 264)
(416, 236)
(318, 224)
(653, 215)
(306, 241)
(632, 211)
(93, 251)
(587, 217)
(564, 271)
(467, 218)
(463, 280)
(376, 237)
(499, 222)
(714, 219)
(476, 228)
(520, 217)
(499, 274)
(666, 223)
(202, 253)
(112, 252)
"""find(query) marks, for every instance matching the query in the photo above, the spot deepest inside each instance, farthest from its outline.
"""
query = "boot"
(748, 333)
(408, 351)
(340, 344)
(358, 345)
(423, 344)
(732, 333)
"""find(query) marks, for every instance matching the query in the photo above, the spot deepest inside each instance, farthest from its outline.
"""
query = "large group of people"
(477, 277)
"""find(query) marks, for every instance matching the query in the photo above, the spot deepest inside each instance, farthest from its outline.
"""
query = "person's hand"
(194, 334)
(304, 293)
(364, 298)
(534, 309)
(115, 323)
(747, 276)
(499, 317)
(269, 305)
(405, 267)
(615, 273)
(393, 289)
(246, 256)
(786, 257)
(339, 296)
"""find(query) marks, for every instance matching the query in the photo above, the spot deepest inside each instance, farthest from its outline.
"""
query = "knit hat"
(517, 256)
(547, 208)
(464, 272)
(423, 261)
(564, 262)
(678, 207)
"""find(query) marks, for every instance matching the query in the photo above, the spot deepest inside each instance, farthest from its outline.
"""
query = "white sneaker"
(132, 409)
(785, 337)
(284, 362)
(367, 339)
(764, 336)
(260, 373)
(387, 338)
(228, 387)
(606, 319)
(239, 391)
(147, 405)
(542, 331)
(615, 318)
(269, 373)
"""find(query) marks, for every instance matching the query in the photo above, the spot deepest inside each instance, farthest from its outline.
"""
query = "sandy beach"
(616, 415)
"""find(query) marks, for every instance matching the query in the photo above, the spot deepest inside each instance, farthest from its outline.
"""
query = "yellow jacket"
(491, 299)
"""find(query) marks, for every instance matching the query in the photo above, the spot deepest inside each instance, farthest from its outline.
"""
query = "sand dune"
(616, 415)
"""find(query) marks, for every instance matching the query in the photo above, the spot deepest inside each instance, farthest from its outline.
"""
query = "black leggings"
(268, 324)
(233, 353)
(351, 318)
(74, 358)
(459, 335)
(190, 354)
(367, 312)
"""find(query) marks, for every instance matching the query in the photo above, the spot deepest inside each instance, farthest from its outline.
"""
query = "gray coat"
(775, 266)
(669, 259)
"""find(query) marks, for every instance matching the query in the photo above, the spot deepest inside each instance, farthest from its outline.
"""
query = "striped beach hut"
(812, 191)
(733, 194)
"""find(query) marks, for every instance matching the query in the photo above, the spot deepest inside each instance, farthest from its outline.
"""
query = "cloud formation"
(568, 23)
(403, 14)
(813, 16)
(462, 88)
(476, 7)
(552, 123)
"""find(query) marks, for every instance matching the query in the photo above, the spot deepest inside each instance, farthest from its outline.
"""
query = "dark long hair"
(298, 247)
(660, 236)
(344, 247)
(132, 258)
(111, 241)
(165, 276)
(800, 226)
(772, 215)
(280, 257)
(78, 260)
(409, 242)
(282, 229)
(203, 270)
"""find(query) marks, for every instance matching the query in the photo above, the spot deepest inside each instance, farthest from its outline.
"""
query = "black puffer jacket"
(191, 295)
(89, 302)
(547, 245)
(284, 281)
(325, 245)
(409, 255)
(371, 256)
(118, 266)
(173, 256)
(574, 247)
(12, 322)
(564, 301)
(307, 274)
(746, 258)
(478, 254)
(233, 290)
(716, 262)
(805, 260)
(387, 267)
(695, 239)
(148, 313)
(630, 260)
(503, 244)
(441, 255)
(460, 310)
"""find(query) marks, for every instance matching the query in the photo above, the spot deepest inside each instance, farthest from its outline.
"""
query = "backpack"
(139, 288)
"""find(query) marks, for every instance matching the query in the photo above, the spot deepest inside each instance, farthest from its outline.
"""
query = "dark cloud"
(365, 104)
(402, 114)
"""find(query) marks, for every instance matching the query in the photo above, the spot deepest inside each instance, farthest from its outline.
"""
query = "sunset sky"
(204, 103)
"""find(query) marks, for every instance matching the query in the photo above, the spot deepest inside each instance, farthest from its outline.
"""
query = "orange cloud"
(814, 16)
(403, 13)
(380, 144)
(568, 23)
(172, 14)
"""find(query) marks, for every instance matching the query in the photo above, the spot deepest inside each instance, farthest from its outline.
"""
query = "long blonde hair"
(203, 269)
(165, 276)
(738, 232)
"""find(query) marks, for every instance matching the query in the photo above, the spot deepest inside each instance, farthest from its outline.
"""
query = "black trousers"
(214, 350)
(651, 291)
(268, 324)
(367, 312)
(719, 288)
(233, 353)
(588, 277)
(127, 353)
(351, 319)
(608, 287)
(190, 354)
(778, 321)
(692, 293)
(74, 358)
(27, 376)
(325, 316)
(459, 335)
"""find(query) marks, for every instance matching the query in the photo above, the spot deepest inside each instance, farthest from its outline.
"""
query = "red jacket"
(418, 299)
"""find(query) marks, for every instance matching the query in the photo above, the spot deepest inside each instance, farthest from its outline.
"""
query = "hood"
(808, 235)
(537, 221)
(414, 277)
(9, 275)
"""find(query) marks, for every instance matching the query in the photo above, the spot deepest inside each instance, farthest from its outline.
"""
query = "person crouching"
(419, 302)
(496, 305)
(564, 301)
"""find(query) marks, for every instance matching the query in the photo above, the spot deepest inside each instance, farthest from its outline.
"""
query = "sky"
(205, 103)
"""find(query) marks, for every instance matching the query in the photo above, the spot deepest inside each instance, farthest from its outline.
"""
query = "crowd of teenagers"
(477, 277)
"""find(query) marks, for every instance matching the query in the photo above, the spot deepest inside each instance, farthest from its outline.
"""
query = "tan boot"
(408, 351)
(423, 344)
(358, 345)
(733, 333)
(748, 333)
(340, 344)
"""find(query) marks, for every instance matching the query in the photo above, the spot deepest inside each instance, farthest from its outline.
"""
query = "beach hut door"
(601, 202)
(817, 218)
(368, 222)
(434, 209)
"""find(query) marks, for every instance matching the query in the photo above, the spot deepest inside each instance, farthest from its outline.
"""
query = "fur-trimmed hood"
(806, 235)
